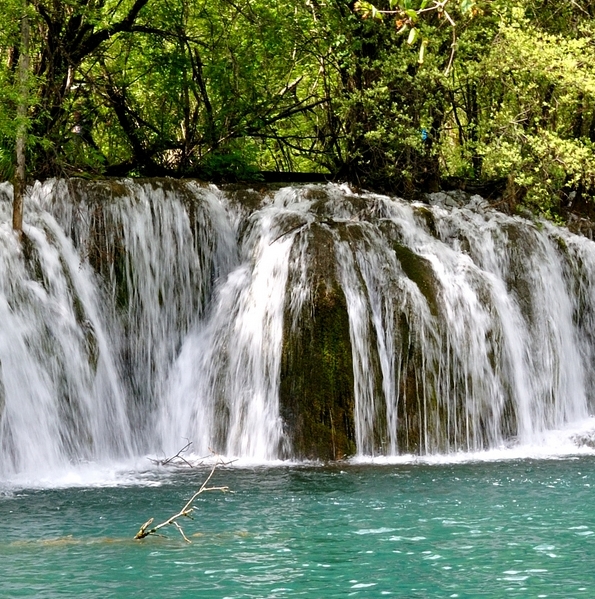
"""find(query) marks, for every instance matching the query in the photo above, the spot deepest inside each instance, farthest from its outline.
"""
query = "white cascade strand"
(224, 388)
(62, 400)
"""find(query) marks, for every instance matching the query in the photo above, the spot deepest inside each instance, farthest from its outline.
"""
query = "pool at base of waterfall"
(517, 528)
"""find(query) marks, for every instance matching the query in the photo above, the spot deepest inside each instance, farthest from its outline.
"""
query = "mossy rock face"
(107, 255)
(522, 243)
(352, 233)
(420, 271)
(410, 412)
(98, 190)
(418, 408)
(31, 256)
(426, 218)
(326, 204)
(316, 395)
(104, 248)
(248, 197)
(167, 184)
(318, 195)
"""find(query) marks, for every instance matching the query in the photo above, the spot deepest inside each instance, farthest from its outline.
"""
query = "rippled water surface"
(503, 529)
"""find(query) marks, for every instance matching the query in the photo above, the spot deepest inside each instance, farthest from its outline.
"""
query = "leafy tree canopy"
(399, 95)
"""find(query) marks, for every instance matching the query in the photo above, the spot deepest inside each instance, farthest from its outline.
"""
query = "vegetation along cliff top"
(404, 96)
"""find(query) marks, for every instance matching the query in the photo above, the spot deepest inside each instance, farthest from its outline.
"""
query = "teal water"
(501, 529)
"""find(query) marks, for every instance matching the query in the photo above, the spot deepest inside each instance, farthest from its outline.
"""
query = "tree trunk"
(21, 133)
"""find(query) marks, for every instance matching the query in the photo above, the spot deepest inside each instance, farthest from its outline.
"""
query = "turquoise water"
(500, 529)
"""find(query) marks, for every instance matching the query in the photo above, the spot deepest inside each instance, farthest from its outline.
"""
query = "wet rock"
(317, 389)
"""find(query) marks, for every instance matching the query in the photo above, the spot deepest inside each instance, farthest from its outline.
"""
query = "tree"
(213, 115)
(21, 127)
(538, 82)
(394, 91)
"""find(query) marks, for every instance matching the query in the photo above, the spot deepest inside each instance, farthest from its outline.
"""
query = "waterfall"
(298, 322)
(225, 384)
(60, 392)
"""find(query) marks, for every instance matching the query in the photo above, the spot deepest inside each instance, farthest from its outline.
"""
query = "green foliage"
(395, 95)
(532, 118)
(229, 166)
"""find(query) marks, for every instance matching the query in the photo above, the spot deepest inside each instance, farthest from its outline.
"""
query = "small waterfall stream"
(302, 322)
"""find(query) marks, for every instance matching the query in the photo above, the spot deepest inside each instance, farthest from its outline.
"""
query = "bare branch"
(174, 459)
(186, 511)
(181, 532)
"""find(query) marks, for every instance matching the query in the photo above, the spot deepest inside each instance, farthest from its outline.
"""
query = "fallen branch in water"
(176, 459)
(179, 460)
(186, 511)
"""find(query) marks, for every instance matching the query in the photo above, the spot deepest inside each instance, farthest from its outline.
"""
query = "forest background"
(402, 96)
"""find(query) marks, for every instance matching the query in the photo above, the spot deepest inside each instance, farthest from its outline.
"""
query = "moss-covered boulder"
(316, 394)
(420, 271)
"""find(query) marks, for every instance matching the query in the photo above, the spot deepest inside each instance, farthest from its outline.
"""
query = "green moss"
(323, 202)
(316, 396)
(418, 403)
(91, 344)
(426, 217)
(121, 291)
(318, 194)
(561, 244)
(420, 271)
(509, 422)
(352, 233)
(31, 256)
(249, 198)
(106, 253)
(522, 243)
(98, 190)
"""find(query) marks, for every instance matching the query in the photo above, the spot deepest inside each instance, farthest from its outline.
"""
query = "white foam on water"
(565, 443)
(137, 472)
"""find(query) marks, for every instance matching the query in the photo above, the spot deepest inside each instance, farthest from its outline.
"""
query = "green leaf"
(367, 10)
(422, 51)
(467, 6)
(412, 36)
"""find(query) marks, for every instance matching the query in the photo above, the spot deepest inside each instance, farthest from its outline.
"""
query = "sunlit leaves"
(466, 6)
(422, 51)
(538, 94)
(409, 15)
(367, 10)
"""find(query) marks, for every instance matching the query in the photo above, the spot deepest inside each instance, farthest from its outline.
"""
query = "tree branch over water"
(177, 458)
(186, 511)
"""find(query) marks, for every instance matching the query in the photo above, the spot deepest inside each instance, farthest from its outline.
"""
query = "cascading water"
(225, 384)
(60, 392)
(306, 322)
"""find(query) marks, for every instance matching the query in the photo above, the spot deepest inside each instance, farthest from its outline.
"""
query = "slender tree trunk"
(21, 133)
